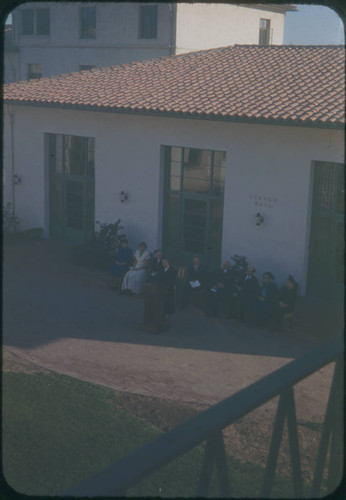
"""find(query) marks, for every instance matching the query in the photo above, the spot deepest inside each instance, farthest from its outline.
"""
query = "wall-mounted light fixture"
(259, 219)
(123, 196)
(17, 179)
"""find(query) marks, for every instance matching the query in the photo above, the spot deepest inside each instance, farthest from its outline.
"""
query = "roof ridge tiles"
(231, 81)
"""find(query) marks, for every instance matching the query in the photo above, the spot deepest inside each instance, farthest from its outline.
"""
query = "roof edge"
(181, 115)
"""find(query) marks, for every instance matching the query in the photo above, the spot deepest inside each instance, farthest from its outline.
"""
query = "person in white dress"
(136, 276)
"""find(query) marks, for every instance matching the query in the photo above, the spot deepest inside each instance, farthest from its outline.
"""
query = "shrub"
(100, 250)
(10, 221)
(108, 237)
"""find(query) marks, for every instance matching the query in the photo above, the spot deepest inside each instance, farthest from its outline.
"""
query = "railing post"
(332, 422)
(294, 443)
(214, 452)
(274, 449)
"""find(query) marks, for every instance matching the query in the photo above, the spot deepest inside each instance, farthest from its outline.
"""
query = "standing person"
(263, 308)
(181, 286)
(156, 267)
(245, 293)
(286, 298)
(195, 280)
(167, 282)
(136, 276)
(123, 260)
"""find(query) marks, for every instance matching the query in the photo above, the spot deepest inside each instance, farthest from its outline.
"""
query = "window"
(264, 32)
(35, 22)
(34, 71)
(87, 22)
(148, 21)
(86, 67)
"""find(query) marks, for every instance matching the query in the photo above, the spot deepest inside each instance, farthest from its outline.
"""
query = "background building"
(198, 156)
(55, 38)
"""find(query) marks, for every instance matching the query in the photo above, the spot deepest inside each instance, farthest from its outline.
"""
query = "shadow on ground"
(46, 297)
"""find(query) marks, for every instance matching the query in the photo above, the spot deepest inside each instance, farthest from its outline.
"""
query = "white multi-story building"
(55, 38)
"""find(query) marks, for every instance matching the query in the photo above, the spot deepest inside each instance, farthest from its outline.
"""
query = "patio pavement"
(65, 318)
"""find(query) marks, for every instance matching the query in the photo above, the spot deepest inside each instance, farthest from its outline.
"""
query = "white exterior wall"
(261, 160)
(194, 27)
(116, 41)
(219, 25)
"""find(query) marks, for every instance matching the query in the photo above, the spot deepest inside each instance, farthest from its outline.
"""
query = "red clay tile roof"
(301, 85)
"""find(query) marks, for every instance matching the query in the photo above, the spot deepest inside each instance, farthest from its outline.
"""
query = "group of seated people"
(238, 295)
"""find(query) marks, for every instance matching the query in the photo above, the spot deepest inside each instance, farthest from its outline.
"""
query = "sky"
(313, 25)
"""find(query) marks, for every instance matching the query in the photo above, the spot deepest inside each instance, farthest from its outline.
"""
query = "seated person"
(220, 288)
(263, 308)
(286, 298)
(244, 294)
(195, 279)
(136, 276)
(156, 267)
(123, 259)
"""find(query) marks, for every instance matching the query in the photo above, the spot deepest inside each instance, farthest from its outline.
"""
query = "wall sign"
(263, 201)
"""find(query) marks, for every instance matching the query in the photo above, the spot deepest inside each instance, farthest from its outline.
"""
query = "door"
(71, 187)
(326, 253)
(193, 204)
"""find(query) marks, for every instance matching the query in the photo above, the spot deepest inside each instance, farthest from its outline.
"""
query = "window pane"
(34, 71)
(74, 158)
(42, 22)
(176, 154)
(91, 157)
(148, 21)
(88, 22)
(194, 228)
(216, 228)
(172, 222)
(326, 176)
(27, 21)
(197, 170)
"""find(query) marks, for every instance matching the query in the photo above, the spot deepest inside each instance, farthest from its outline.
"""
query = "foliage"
(10, 221)
(100, 250)
(108, 237)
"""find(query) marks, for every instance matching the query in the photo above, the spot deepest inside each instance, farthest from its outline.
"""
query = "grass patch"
(58, 430)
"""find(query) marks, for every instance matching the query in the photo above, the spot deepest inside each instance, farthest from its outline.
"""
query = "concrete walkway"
(65, 318)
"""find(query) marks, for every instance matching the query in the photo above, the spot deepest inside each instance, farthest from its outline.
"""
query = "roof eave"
(183, 115)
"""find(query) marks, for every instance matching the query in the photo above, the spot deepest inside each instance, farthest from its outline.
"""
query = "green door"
(326, 253)
(193, 204)
(71, 187)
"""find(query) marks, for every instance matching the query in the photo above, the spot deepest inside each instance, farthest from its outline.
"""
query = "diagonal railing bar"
(221, 465)
(207, 467)
(214, 453)
(138, 464)
(293, 441)
(274, 449)
(329, 420)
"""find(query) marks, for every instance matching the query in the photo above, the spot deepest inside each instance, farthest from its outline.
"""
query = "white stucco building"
(53, 38)
(198, 156)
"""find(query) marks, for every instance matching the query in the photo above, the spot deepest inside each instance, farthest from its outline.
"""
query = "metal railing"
(128, 471)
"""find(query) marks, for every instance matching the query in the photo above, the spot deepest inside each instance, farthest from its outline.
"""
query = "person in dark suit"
(195, 281)
(245, 293)
(221, 283)
(286, 298)
(156, 267)
(263, 308)
(166, 281)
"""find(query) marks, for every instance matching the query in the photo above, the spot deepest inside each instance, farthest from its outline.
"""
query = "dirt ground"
(247, 440)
